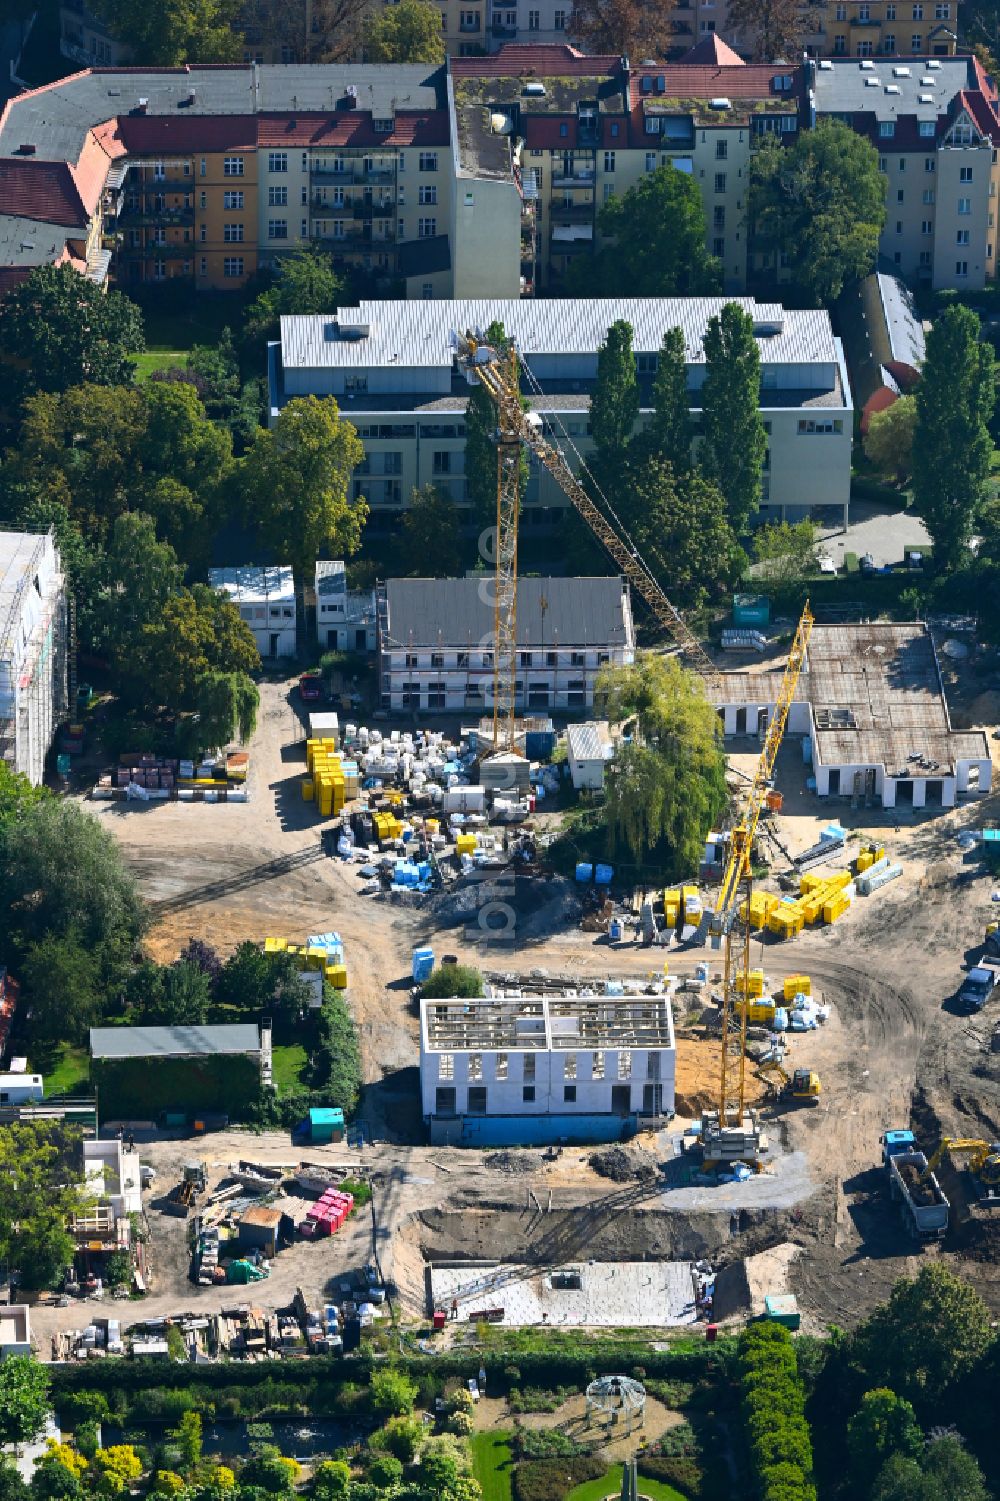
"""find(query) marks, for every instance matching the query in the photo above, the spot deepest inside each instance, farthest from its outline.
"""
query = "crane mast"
(724, 1136)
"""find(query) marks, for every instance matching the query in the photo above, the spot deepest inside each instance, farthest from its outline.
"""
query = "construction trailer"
(34, 626)
(522, 1069)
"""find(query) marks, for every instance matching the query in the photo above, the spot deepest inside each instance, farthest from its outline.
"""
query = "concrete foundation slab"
(625, 1294)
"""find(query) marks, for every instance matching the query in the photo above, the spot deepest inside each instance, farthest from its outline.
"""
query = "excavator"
(801, 1087)
(983, 1157)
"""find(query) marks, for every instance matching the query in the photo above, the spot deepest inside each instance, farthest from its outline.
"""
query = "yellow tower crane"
(499, 372)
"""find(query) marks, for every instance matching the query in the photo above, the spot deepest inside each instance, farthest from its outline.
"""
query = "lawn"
(288, 1064)
(66, 1069)
(491, 1463)
(157, 359)
(611, 1484)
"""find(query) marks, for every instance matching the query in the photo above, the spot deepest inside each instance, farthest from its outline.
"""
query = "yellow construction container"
(864, 860)
(275, 945)
(432, 825)
(760, 905)
(670, 915)
(755, 983)
(796, 985)
(761, 1010)
(810, 881)
(465, 844)
(836, 907)
(315, 958)
(308, 789)
(336, 974)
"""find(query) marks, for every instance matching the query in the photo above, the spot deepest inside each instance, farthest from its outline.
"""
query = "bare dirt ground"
(891, 1050)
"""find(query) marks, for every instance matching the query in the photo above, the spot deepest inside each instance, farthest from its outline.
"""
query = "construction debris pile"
(217, 778)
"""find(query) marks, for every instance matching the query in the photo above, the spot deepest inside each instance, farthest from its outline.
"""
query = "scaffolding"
(33, 649)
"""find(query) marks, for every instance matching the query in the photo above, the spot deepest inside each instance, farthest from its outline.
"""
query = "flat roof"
(590, 742)
(537, 1023)
(550, 611)
(173, 1042)
(920, 88)
(877, 699)
(416, 334)
(250, 583)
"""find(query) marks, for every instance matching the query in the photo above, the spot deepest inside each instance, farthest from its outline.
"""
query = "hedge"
(773, 1405)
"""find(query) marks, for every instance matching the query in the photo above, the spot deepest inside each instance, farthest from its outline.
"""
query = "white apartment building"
(345, 619)
(265, 598)
(33, 693)
(934, 122)
(391, 368)
(436, 641)
(522, 1068)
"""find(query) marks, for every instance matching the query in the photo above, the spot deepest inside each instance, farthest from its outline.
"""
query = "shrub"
(552, 1479)
(538, 1398)
(392, 1394)
(773, 1402)
(546, 1443)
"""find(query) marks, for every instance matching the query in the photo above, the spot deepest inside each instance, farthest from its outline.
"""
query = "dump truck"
(979, 985)
(913, 1185)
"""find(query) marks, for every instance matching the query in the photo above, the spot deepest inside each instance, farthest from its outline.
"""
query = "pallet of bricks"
(159, 778)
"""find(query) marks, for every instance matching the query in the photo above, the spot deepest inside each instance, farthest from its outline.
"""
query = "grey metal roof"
(550, 612)
(33, 242)
(590, 742)
(173, 1042)
(56, 119)
(847, 88)
(331, 576)
(416, 334)
(905, 330)
(253, 582)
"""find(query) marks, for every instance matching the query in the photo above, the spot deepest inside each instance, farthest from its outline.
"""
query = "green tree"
(12, 1486)
(670, 431)
(331, 1480)
(680, 527)
(39, 1164)
(667, 787)
(409, 32)
(297, 475)
(385, 1471)
(305, 283)
(338, 1071)
(65, 981)
(174, 654)
(16, 796)
(62, 872)
(58, 330)
(883, 1425)
(252, 981)
(952, 446)
(889, 440)
(931, 1332)
(481, 448)
(225, 708)
(171, 995)
(735, 443)
(659, 234)
(24, 1397)
(614, 407)
(775, 28)
(184, 31)
(188, 1441)
(137, 577)
(430, 544)
(786, 558)
(821, 203)
(116, 1469)
(269, 1471)
(392, 1394)
(945, 1471)
(185, 458)
(452, 980)
(79, 448)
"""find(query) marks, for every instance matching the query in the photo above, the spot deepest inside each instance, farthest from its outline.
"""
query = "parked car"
(310, 687)
(866, 563)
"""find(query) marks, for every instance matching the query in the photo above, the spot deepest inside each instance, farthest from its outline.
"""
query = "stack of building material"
(759, 908)
(822, 898)
(879, 874)
(322, 951)
(327, 1214)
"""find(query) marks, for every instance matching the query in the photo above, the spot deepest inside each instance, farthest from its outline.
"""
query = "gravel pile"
(511, 1162)
(623, 1165)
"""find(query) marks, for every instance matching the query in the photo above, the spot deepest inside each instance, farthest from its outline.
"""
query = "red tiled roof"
(149, 134)
(544, 60)
(91, 172)
(353, 128)
(700, 81)
(712, 49)
(41, 190)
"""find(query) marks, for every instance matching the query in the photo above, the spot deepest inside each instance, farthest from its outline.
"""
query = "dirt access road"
(228, 873)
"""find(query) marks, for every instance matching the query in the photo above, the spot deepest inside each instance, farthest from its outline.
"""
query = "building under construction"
(521, 1069)
(33, 649)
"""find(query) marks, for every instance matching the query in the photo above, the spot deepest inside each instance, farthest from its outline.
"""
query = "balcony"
(385, 208)
(135, 217)
(353, 171)
(579, 177)
(574, 213)
(151, 251)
